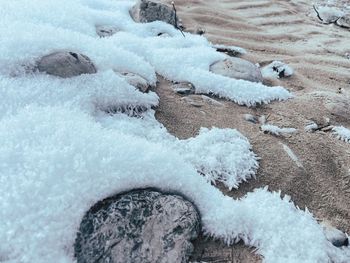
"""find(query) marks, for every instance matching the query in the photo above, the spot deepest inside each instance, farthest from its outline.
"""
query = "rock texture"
(146, 11)
(66, 64)
(237, 68)
(106, 31)
(142, 226)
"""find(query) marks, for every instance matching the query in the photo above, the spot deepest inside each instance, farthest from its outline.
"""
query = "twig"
(176, 25)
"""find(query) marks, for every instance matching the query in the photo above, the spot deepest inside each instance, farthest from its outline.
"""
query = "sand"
(275, 30)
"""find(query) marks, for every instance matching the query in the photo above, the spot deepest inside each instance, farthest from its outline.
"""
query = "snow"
(342, 133)
(311, 127)
(60, 152)
(275, 130)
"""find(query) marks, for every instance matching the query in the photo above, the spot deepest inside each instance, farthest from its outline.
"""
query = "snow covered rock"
(335, 236)
(238, 69)
(146, 11)
(140, 226)
(327, 14)
(136, 80)
(106, 31)
(275, 130)
(66, 64)
(277, 69)
(341, 133)
(344, 21)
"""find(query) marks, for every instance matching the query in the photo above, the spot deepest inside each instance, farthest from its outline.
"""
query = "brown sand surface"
(275, 30)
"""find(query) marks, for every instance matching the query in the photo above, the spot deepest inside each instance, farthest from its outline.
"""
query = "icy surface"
(60, 152)
(342, 133)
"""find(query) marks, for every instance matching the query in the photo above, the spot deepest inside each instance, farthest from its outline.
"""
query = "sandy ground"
(275, 30)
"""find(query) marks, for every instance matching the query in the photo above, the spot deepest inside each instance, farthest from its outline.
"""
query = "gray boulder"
(106, 31)
(238, 69)
(66, 64)
(142, 226)
(146, 11)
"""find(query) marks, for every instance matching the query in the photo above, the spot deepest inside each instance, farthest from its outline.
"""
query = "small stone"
(136, 80)
(335, 236)
(145, 11)
(66, 64)
(238, 69)
(142, 226)
(344, 21)
(194, 100)
(106, 31)
(184, 88)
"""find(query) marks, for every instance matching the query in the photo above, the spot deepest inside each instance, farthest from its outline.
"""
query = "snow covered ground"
(60, 153)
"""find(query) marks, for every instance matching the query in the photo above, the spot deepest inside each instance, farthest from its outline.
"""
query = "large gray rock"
(238, 69)
(146, 11)
(66, 64)
(142, 226)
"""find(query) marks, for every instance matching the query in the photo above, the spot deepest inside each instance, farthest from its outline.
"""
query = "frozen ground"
(60, 153)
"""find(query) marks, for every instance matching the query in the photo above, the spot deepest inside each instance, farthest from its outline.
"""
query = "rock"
(142, 226)
(335, 236)
(184, 88)
(194, 100)
(211, 101)
(136, 80)
(237, 68)
(277, 69)
(339, 106)
(146, 11)
(327, 14)
(66, 64)
(344, 21)
(106, 31)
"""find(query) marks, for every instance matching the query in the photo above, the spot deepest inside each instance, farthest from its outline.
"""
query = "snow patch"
(341, 133)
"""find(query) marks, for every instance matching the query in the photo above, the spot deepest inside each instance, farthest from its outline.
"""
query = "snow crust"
(60, 152)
